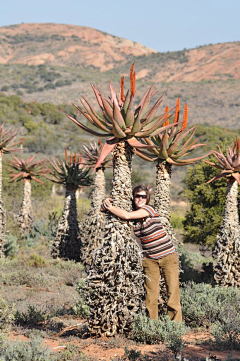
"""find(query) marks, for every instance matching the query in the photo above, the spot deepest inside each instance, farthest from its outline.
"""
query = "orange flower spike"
(166, 116)
(71, 159)
(122, 89)
(177, 111)
(66, 157)
(134, 83)
(185, 117)
(235, 145)
(99, 142)
(80, 159)
(75, 158)
(132, 79)
(238, 145)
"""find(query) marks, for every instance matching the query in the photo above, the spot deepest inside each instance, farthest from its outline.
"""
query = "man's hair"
(139, 189)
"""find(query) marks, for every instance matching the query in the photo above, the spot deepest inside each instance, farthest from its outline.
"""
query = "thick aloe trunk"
(67, 243)
(25, 216)
(2, 215)
(92, 227)
(227, 248)
(116, 279)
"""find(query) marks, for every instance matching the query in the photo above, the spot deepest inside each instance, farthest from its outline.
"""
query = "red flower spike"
(66, 157)
(71, 159)
(99, 142)
(177, 111)
(185, 114)
(132, 80)
(122, 89)
(75, 158)
(238, 144)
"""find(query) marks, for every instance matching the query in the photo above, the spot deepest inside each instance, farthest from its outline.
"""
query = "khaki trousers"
(169, 266)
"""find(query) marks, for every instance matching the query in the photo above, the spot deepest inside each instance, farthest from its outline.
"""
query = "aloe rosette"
(168, 148)
(120, 119)
(91, 153)
(171, 145)
(229, 164)
(227, 246)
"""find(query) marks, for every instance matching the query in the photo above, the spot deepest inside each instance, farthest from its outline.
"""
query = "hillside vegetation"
(56, 63)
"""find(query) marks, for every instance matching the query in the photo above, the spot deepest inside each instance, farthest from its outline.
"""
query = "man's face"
(140, 199)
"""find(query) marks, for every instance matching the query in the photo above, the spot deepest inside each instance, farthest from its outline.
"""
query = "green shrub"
(177, 221)
(25, 351)
(195, 267)
(71, 352)
(33, 316)
(81, 307)
(226, 331)
(150, 331)
(6, 316)
(24, 278)
(39, 229)
(11, 247)
(202, 304)
(132, 354)
(36, 261)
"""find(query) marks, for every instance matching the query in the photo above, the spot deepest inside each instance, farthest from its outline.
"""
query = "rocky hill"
(65, 45)
(56, 63)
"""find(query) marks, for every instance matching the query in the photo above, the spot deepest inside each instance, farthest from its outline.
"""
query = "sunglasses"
(143, 196)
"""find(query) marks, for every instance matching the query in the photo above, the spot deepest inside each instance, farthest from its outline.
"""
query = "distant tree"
(72, 174)
(26, 170)
(6, 147)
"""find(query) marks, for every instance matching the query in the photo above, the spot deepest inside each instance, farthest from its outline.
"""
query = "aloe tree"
(27, 171)
(6, 147)
(92, 227)
(72, 175)
(227, 246)
(169, 148)
(116, 278)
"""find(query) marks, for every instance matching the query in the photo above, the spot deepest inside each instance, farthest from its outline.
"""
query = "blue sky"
(162, 25)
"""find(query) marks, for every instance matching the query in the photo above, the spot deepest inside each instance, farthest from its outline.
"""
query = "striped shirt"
(154, 239)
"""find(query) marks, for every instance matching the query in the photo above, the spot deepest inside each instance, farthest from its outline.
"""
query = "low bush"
(36, 261)
(23, 277)
(6, 316)
(11, 247)
(71, 352)
(195, 267)
(226, 331)
(81, 307)
(202, 304)
(132, 354)
(34, 350)
(150, 331)
(33, 316)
